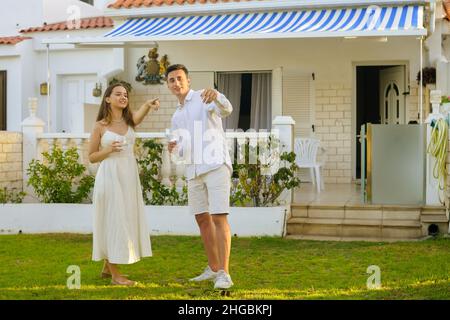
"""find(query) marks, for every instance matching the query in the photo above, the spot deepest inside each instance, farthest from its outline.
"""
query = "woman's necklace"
(120, 120)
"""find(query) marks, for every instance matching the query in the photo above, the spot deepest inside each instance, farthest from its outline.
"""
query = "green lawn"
(34, 267)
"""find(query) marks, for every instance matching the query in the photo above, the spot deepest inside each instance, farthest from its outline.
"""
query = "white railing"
(170, 172)
(46, 142)
(35, 142)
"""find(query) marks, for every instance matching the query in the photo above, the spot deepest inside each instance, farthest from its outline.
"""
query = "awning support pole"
(421, 82)
(48, 87)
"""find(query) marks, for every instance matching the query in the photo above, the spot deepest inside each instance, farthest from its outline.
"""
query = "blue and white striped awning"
(364, 21)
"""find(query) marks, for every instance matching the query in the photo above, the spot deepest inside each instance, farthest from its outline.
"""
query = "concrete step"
(331, 238)
(362, 221)
(354, 231)
(434, 219)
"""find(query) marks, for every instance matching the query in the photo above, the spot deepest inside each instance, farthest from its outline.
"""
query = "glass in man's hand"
(173, 139)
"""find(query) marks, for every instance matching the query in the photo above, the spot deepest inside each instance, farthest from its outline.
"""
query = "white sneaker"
(223, 280)
(207, 274)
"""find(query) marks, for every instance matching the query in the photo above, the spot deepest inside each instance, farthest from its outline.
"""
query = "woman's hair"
(105, 108)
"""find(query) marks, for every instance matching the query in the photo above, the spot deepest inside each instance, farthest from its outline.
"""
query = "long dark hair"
(105, 108)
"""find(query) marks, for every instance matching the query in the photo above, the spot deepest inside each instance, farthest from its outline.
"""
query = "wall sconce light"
(43, 89)
(97, 91)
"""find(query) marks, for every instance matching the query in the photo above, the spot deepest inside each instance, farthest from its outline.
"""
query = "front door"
(2, 100)
(392, 99)
(76, 94)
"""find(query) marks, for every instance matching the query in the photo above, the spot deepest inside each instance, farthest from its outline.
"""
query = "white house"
(322, 63)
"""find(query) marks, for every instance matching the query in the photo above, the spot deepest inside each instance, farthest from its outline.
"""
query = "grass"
(34, 267)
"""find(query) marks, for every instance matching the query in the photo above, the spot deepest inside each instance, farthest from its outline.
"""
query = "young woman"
(120, 233)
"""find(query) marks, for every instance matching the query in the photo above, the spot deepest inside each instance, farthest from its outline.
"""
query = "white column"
(284, 125)
(165, 165)
(31, 127)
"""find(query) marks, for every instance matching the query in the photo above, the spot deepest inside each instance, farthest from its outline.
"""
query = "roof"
(120, 4)
(12, 40)
(85, 23)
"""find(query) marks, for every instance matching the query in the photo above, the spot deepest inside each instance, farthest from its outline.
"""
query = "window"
(250, 94)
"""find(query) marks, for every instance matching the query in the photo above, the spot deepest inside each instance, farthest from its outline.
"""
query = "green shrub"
(252, 185)
(153, 190)
(60, 179)
(11, 196)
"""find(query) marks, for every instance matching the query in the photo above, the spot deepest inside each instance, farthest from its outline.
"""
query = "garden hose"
(438, 147)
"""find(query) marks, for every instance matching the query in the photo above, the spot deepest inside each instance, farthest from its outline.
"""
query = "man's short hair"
(174, 67)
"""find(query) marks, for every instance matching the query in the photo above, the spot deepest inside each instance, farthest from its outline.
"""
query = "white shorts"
(210, 192)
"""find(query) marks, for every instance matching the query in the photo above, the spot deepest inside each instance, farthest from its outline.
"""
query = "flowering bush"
(11, 196)
(154, 191)
(253, 185)
(445, 99)
(60, 178)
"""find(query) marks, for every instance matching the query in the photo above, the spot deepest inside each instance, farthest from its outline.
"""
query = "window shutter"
(298, 100)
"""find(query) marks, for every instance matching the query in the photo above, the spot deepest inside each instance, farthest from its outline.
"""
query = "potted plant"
(429, 76)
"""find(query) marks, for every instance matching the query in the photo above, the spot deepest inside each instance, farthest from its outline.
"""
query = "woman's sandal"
(128, 283)
(106, 275)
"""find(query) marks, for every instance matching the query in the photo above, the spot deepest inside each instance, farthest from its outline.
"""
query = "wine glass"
(171, 137)
(122, 140)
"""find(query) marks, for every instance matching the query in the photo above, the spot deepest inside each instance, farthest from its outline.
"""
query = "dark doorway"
(367, 103)
(2, 100)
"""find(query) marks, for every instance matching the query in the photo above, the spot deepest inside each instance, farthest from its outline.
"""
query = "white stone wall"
(11, 160)
(333, 116)
(155, 121)
(412, 104)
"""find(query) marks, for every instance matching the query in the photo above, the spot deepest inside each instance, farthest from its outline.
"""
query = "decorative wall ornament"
(97, 91)
(43, 89)
(152, 71)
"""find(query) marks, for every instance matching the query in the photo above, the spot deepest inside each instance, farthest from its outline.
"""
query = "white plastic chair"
(306, 150)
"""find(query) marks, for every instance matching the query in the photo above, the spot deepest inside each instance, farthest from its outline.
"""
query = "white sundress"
(120, 231)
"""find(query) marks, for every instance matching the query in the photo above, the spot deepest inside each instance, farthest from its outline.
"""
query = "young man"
(208, 170)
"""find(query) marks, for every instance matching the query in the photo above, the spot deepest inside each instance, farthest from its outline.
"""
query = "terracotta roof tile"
(12, 40)
(86, 23)
(119, 4)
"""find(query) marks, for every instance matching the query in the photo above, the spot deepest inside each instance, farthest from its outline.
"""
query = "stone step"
(358, 221)
(434, 219)
(355, 231)
(330, 221)
(402, 223)
(368, 212)
(331, 238)
(433, 209)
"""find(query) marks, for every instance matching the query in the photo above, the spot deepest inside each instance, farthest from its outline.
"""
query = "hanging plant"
(429, 76)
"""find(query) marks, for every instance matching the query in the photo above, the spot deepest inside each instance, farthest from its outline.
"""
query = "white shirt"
(202, 143)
